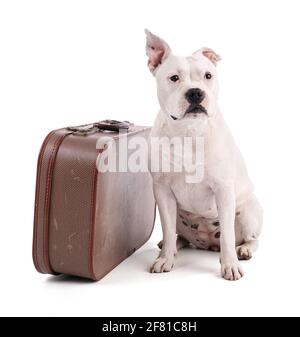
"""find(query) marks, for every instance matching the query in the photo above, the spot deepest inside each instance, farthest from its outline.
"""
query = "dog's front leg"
(167, 207)
(225, 198)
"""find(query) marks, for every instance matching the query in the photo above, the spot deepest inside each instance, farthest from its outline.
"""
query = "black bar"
(154, 326)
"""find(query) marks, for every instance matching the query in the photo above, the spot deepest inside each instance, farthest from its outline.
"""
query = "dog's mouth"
(192, 109)
(195, 109)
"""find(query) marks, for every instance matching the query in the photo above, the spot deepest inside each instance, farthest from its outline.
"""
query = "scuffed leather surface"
(125, 215)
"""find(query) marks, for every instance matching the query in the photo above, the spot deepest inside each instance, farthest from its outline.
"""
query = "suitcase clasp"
(82, 130)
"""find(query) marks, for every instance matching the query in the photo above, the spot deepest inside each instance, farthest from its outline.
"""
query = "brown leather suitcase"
(85, 221)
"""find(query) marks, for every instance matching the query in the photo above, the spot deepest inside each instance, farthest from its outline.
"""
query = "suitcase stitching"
(92, 227)
(37, 195)
(47, 201)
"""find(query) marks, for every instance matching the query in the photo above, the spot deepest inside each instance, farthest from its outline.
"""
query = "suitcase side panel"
(45, 166)
(125, 215)
(72, 207)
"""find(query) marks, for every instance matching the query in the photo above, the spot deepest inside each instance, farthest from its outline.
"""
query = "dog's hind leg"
(249, 222)
(181, 242)
(244, 251)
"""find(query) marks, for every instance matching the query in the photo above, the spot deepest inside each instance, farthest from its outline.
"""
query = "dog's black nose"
(195, 95)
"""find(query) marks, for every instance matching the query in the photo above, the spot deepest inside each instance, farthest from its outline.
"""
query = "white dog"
(220, 212)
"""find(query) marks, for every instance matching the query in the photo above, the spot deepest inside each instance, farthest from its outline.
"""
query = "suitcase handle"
(113, 125)
(106, 125)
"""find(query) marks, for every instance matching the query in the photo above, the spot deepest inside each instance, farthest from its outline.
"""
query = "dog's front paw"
(231, 270)
(162, 264)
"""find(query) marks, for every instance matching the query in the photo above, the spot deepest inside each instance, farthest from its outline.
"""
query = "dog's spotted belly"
(203, 233)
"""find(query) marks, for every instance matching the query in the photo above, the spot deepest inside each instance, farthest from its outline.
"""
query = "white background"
(72, 62)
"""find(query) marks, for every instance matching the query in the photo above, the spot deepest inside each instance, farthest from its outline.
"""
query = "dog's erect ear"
(210, 54)
(156, 49)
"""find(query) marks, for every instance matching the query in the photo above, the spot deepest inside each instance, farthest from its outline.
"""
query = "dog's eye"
(174, 78)
(208, 75)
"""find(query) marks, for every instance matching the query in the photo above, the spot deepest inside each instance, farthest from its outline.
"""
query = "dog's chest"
(197, 217)
(196, 198)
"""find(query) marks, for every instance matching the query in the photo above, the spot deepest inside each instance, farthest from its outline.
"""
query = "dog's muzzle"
(195, 96)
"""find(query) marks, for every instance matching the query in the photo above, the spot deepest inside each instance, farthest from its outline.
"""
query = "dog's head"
(187, 87)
